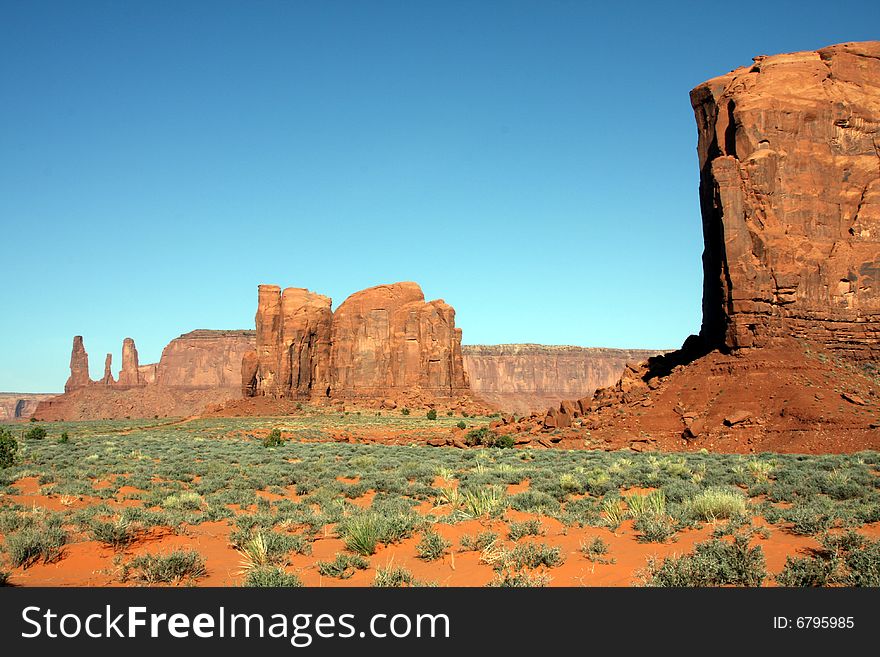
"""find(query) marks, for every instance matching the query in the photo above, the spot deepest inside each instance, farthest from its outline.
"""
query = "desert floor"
(359, 499)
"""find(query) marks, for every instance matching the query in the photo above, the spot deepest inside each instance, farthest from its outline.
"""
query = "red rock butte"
(789, 152)
(381, 342)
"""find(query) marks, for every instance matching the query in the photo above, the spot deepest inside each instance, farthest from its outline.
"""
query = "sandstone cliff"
(526, 377)
(789, 152)
(202, 359)
(20, 406)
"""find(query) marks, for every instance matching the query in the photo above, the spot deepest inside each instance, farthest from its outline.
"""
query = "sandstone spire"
(129, 375)
(79, 366)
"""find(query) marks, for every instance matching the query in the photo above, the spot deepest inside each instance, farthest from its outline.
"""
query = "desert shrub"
(809, 519)
(483, 502)
(477, 543)
(8, 448)
(4, 577)
(533, 501)
(116, 534)
(64, 439)
(432, 546)
(654, 528)
(31, 544)
(712, 563)
(461, 424)
(270, 577)
(35, 433)
(596, 550)
(404, 411)
(363, 532)
(273, 439)
(165, 568)
(614, 513)
(847, 559)
(264, 547)
(717, 503)
(431, 415)
(652, 504)
(343, 566)
(504, 441)
(517, 530)
(531, 555)
(508, 578)
(393, 576)
(185, 500)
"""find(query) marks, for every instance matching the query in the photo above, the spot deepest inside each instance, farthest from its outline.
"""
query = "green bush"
(717, 504)
(461, 424)
(432, 546)
(64, 439)
(31, 544)
(477, 543)
(654, 528)
(343, 566)
(273, 439)
(165, 568)
(8, 448)
(363, 532)
(35, 433)
(517, 530)
(404, 411)
(531, 555)
(847, 559)
(597, 550)
(712, 563)
(431, 415)
(4, 577)
(116, 534)
(271, 577)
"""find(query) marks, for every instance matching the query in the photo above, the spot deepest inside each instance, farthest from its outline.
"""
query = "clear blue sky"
(532, 163)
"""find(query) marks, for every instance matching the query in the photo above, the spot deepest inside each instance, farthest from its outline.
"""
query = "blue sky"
(532, 163)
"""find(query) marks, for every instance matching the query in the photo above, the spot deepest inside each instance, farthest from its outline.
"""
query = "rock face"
(20, 406)
(381, 341)
(789, 152)
(79, 366)
(292, 357)
(388, 338)
(527, 377)
(202, 359)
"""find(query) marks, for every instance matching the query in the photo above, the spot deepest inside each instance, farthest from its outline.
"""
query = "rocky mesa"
(522, 378)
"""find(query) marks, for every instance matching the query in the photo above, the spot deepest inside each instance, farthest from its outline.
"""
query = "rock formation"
(129, 375)
(381, 342)
(292, 357)
(79, 366)
(202, 359)
(196, 369)
(388, 339)
(108, 374)
(20, 406)
(525, 377)
(789, 152)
